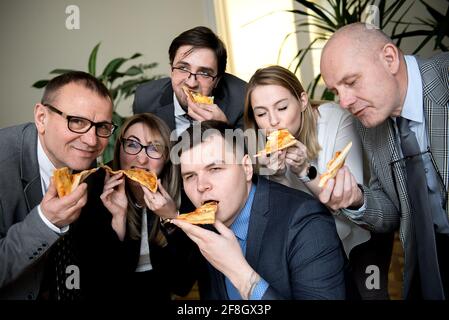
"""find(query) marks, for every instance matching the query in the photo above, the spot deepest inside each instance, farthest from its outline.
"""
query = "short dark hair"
(232, 136)
(83, 78)
(201, 37)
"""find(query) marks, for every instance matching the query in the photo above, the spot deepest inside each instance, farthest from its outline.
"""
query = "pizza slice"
(66, 182)
(202, 215)
(197, 97)
(334, 164)
(278, 140)
(146, 178)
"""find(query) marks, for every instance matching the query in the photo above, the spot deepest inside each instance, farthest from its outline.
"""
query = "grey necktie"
(431, 286)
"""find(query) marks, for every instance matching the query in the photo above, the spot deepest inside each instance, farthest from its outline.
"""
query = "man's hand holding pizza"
(63, 211)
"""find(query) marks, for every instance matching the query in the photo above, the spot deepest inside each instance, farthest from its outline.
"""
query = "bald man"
(388, 91)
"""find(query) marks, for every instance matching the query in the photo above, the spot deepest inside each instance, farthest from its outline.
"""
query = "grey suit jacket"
(292, 243)
(386, 196)
(157, 97)
(24, 237)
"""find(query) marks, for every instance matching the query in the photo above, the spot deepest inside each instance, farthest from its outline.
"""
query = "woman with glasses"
(275, 99)
(140, 251)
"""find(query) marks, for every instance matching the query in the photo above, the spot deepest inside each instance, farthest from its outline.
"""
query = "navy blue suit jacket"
(292, 243)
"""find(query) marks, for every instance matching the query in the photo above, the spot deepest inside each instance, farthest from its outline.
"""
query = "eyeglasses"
(199, 76)
(401, 163)
(132, 147)
(82, 125)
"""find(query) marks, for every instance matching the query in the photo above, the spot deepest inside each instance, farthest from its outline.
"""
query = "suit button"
(31, 258)
(30, 296)
(44, 245)
(35, 253)
(39, 249)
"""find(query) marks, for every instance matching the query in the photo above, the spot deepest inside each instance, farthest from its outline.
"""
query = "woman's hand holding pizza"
(160, 202)
(115, 200)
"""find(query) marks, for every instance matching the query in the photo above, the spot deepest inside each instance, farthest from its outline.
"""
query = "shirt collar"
(413, 103)
(46, 167)
(179, 111)
(241, 223)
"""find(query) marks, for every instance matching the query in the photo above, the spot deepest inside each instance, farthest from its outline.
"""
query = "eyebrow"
(212, 164)
(200, 68)
(276, 103)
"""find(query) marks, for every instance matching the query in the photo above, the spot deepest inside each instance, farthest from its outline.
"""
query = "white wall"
(34, 40)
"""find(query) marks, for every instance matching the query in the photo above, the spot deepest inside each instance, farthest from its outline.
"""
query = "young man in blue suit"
(271, 241)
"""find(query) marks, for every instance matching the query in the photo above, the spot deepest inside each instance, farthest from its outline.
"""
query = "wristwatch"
(310, 174)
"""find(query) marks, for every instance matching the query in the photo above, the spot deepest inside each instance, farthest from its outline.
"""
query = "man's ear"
(391, 57)
(40, 117)
(247, 167)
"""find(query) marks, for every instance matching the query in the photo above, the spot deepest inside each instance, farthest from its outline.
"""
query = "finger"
(114, 183)
(162, 190)
(222, 229)
(192, 229)
(337, 194)
(326, 191)
(105, 194)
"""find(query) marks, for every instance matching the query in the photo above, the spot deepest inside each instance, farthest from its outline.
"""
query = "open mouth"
(208, 201)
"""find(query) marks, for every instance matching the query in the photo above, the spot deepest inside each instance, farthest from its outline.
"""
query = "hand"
(202, 111)
(114, 196)
(63, 211)
(115, 200)
(341, 192)
(222, 250)
(160, 202)
(274, 162)
(296, 158)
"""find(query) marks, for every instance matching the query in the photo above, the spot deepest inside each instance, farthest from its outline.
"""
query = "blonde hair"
(277, 75)
(169, 177)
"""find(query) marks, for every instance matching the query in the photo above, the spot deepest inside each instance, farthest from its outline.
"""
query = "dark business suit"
(24, 237)
(157, 97)
(292, 243)
(386, 196)
(107, 265)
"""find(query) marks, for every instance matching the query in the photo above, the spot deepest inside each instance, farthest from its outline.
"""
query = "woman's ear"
(40, 117)
(304, 99)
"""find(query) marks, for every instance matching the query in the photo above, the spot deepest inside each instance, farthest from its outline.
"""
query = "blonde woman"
(275, 99)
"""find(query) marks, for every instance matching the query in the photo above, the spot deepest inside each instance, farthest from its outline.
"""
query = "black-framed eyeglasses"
(204, 76)
(401, 163)
(132, 147)
(82, 125)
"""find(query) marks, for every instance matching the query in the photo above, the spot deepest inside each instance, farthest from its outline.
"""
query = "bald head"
(357, 38)
(366, 69)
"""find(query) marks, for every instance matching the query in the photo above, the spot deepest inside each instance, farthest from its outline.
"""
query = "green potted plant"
(121, 84)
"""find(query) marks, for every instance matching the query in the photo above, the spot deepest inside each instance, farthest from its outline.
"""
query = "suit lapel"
(166, 111)
(257, 222)
(29, 168)
(436, 107)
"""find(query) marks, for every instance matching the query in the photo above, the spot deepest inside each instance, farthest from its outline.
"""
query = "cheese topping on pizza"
(278, 140)
(66, 182)
(146, 178)
(197, 97)
(202, 215)
(335, 164)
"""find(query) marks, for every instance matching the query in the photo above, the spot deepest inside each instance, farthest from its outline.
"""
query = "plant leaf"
(92, 64)
(40, 84)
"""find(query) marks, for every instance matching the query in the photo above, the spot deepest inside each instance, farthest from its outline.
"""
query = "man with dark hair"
(71, 127)
(271, 241)
(198, 62)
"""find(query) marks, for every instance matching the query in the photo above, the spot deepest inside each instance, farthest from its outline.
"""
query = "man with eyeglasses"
(198, 61)
(71, 129)
(401, 103)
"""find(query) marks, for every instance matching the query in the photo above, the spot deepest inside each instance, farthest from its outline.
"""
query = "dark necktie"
(65, 288)
(421, 215)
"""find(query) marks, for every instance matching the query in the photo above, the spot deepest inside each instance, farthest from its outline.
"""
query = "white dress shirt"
(46, 169)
